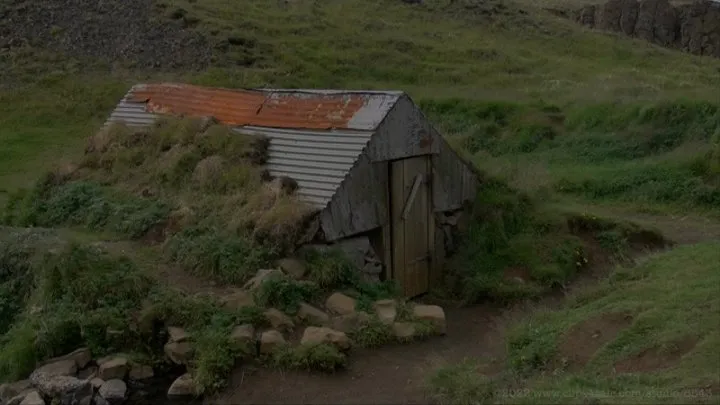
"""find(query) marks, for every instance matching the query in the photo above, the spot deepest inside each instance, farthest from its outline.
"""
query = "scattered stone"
(270, 340)
(88, 373)
(403, 330)
(97, 383)
(18, 399)
(261, 277)
(33, 398)
(140, 372)
(293, 267)
(386, 311)
(178, 353)
(114, 369)
(243, 334)
(101, 401)
(178, 335)
(432, 313)
(318, 335)
(66, 367)
(310, 314)
(340, 304)
(114, 391)
(183, 386)
(350, 322)
(238, 299)
(279, 320)
(12, 390)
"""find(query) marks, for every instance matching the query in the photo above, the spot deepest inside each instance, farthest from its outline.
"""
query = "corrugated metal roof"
(269, 108)
(315, 135)
(317, 160)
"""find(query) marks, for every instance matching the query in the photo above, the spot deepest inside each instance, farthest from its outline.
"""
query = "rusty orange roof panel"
(269, 108)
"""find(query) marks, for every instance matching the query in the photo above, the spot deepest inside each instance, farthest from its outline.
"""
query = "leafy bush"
(373, 333)
(461, 384)
(318, 357)
(286, 294)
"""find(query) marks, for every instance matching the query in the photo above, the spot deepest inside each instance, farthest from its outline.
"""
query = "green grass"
(672, 296)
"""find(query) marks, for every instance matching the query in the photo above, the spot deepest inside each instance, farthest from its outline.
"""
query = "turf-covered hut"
(386, 184)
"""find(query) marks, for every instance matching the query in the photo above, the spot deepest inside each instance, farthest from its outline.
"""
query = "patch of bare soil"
(657, 358)
(582, 341)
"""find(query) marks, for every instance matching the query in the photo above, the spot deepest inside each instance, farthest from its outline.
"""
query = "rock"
(350, 322)
(279, 320)
(177, 335)
(432, 313)
(261, 277)
(270, 340)
(33, 398)
(404, 330)
(340, 304)
(243, 334)
(293, 267)
(238, 299)
(18, 399)
(386, 311)
(88, 373)
(61, 386)
(140, 372)
(66, 367)
(114, 391)
(178, 353)
(82, 357)
(101, 401)
(114, 369)
(183, 386)
(11, 390)
(320, 335)
(97, 383)
(310, 314)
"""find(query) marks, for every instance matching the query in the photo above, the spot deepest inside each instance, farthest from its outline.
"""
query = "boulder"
(114, 391)
(340, 304)
(11, 390)
(293, 267)
(262, 276)
(66, 367)
(32, 398)
(237, 300)
(279, 320)
(178, 353)
(404, 330)
(320, 335)
(243, 334)
(177, 335)
(115, 368)
(350, 322)
(82, 357)
(140, 372)
(386, 311)
(309, 314)
(270, 340)
(61, 387)
(183, 386)
(433, 314)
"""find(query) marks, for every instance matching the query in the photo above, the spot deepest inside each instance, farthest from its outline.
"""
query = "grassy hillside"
(646, 335)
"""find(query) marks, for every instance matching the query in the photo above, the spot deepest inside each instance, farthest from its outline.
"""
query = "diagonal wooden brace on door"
(413, 193)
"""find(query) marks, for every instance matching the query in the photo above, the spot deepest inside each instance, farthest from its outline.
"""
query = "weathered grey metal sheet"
(454, 180)
(359, 205)
(318, 160)
(404, 133)
(130, 113)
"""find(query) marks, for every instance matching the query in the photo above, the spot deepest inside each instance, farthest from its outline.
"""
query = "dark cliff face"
(693, 28)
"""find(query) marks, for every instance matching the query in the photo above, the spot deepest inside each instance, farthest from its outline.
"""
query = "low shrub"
(311, 357)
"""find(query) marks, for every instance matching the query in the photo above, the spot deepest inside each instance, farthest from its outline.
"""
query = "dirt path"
(391, 375)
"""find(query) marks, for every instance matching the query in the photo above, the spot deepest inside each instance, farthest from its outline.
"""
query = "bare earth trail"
(398, 374)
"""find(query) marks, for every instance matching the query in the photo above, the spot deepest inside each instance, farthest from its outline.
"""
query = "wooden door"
(410, 214)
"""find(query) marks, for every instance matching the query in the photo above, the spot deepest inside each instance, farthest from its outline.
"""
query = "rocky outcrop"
(693, 28)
